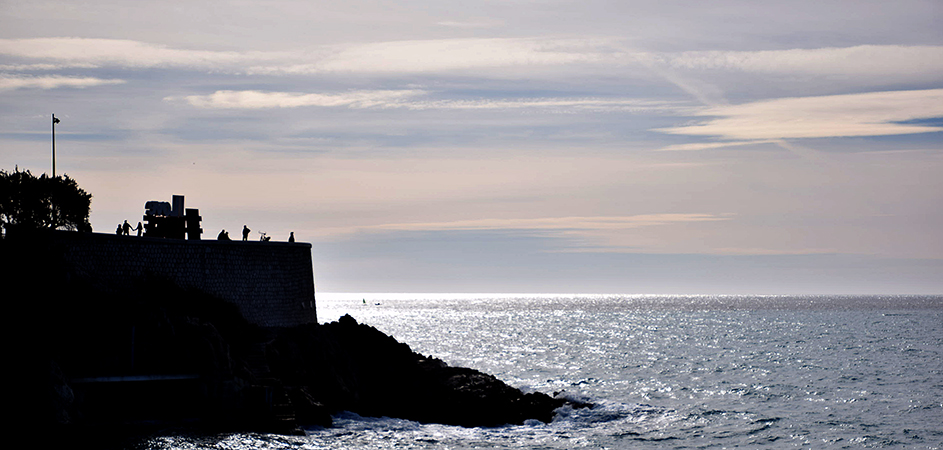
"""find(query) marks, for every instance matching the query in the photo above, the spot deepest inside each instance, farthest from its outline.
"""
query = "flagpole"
(54, 145)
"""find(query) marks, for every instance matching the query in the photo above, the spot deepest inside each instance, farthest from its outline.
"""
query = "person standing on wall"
(245, 233)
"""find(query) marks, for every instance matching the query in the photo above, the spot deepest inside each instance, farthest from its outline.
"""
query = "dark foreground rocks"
(372, 374)
(90, 361)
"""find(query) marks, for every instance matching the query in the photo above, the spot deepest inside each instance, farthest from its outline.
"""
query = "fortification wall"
(272, 283)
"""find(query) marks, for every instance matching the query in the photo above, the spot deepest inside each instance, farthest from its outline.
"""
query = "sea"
(663, 372)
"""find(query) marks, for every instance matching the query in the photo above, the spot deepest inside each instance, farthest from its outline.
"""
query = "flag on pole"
(55, 120)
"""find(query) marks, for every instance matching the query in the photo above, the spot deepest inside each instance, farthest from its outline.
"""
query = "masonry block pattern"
(272, 283)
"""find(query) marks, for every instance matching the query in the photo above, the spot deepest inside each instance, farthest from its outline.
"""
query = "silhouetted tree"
(44, 202)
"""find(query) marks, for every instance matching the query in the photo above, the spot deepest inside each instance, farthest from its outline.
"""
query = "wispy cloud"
(577, 223)
(482, 23)
(40, 67)
(265, 100)
(583, 104)
(445, 55)
(382, 57)
(87, 52)
(448, 55)
(866, 114)
(773, 251)
(409, 99)
(572, 234)
(712, 145)
(10, 82)
(851, 61)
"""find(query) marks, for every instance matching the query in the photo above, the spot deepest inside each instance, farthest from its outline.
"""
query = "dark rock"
(355, 367)
(241, 377)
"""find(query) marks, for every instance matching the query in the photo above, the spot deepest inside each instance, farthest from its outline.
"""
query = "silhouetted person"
(118, 230)
(223, 236)
(139, 229)
(291, 237)
(245, 233)
(127, 228)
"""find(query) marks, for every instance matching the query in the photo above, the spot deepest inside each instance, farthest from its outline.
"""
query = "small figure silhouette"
(127, 228)
(139, 229)
(291, 237)
(223, 236)
(118, 230)
(245, 233)
(263, 237)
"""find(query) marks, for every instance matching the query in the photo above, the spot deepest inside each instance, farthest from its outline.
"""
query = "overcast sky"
(508, 145)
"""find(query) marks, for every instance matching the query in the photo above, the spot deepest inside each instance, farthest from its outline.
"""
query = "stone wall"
(272, 283)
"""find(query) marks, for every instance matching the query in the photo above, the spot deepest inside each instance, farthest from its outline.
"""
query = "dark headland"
(96, 362)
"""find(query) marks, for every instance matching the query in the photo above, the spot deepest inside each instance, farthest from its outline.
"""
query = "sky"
(531, 146)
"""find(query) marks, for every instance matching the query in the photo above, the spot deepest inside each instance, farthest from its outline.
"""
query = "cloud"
(406, 98)
(865, 114)
(595, 223)
(87, 52)
(383, 57)
(445, 55)
(10, 82)
(265, 100)
(883, 60)
(712, 145)
(776, 251)
(571, 234)
(585, 104)
(483, 23)
(424, 56)
(38, 67)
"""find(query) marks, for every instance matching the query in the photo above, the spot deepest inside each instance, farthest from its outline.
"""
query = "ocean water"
(678, 372)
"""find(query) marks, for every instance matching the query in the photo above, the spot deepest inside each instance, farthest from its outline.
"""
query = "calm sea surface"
(677, 372)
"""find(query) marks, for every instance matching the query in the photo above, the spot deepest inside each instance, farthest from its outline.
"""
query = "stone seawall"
(272, 283)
